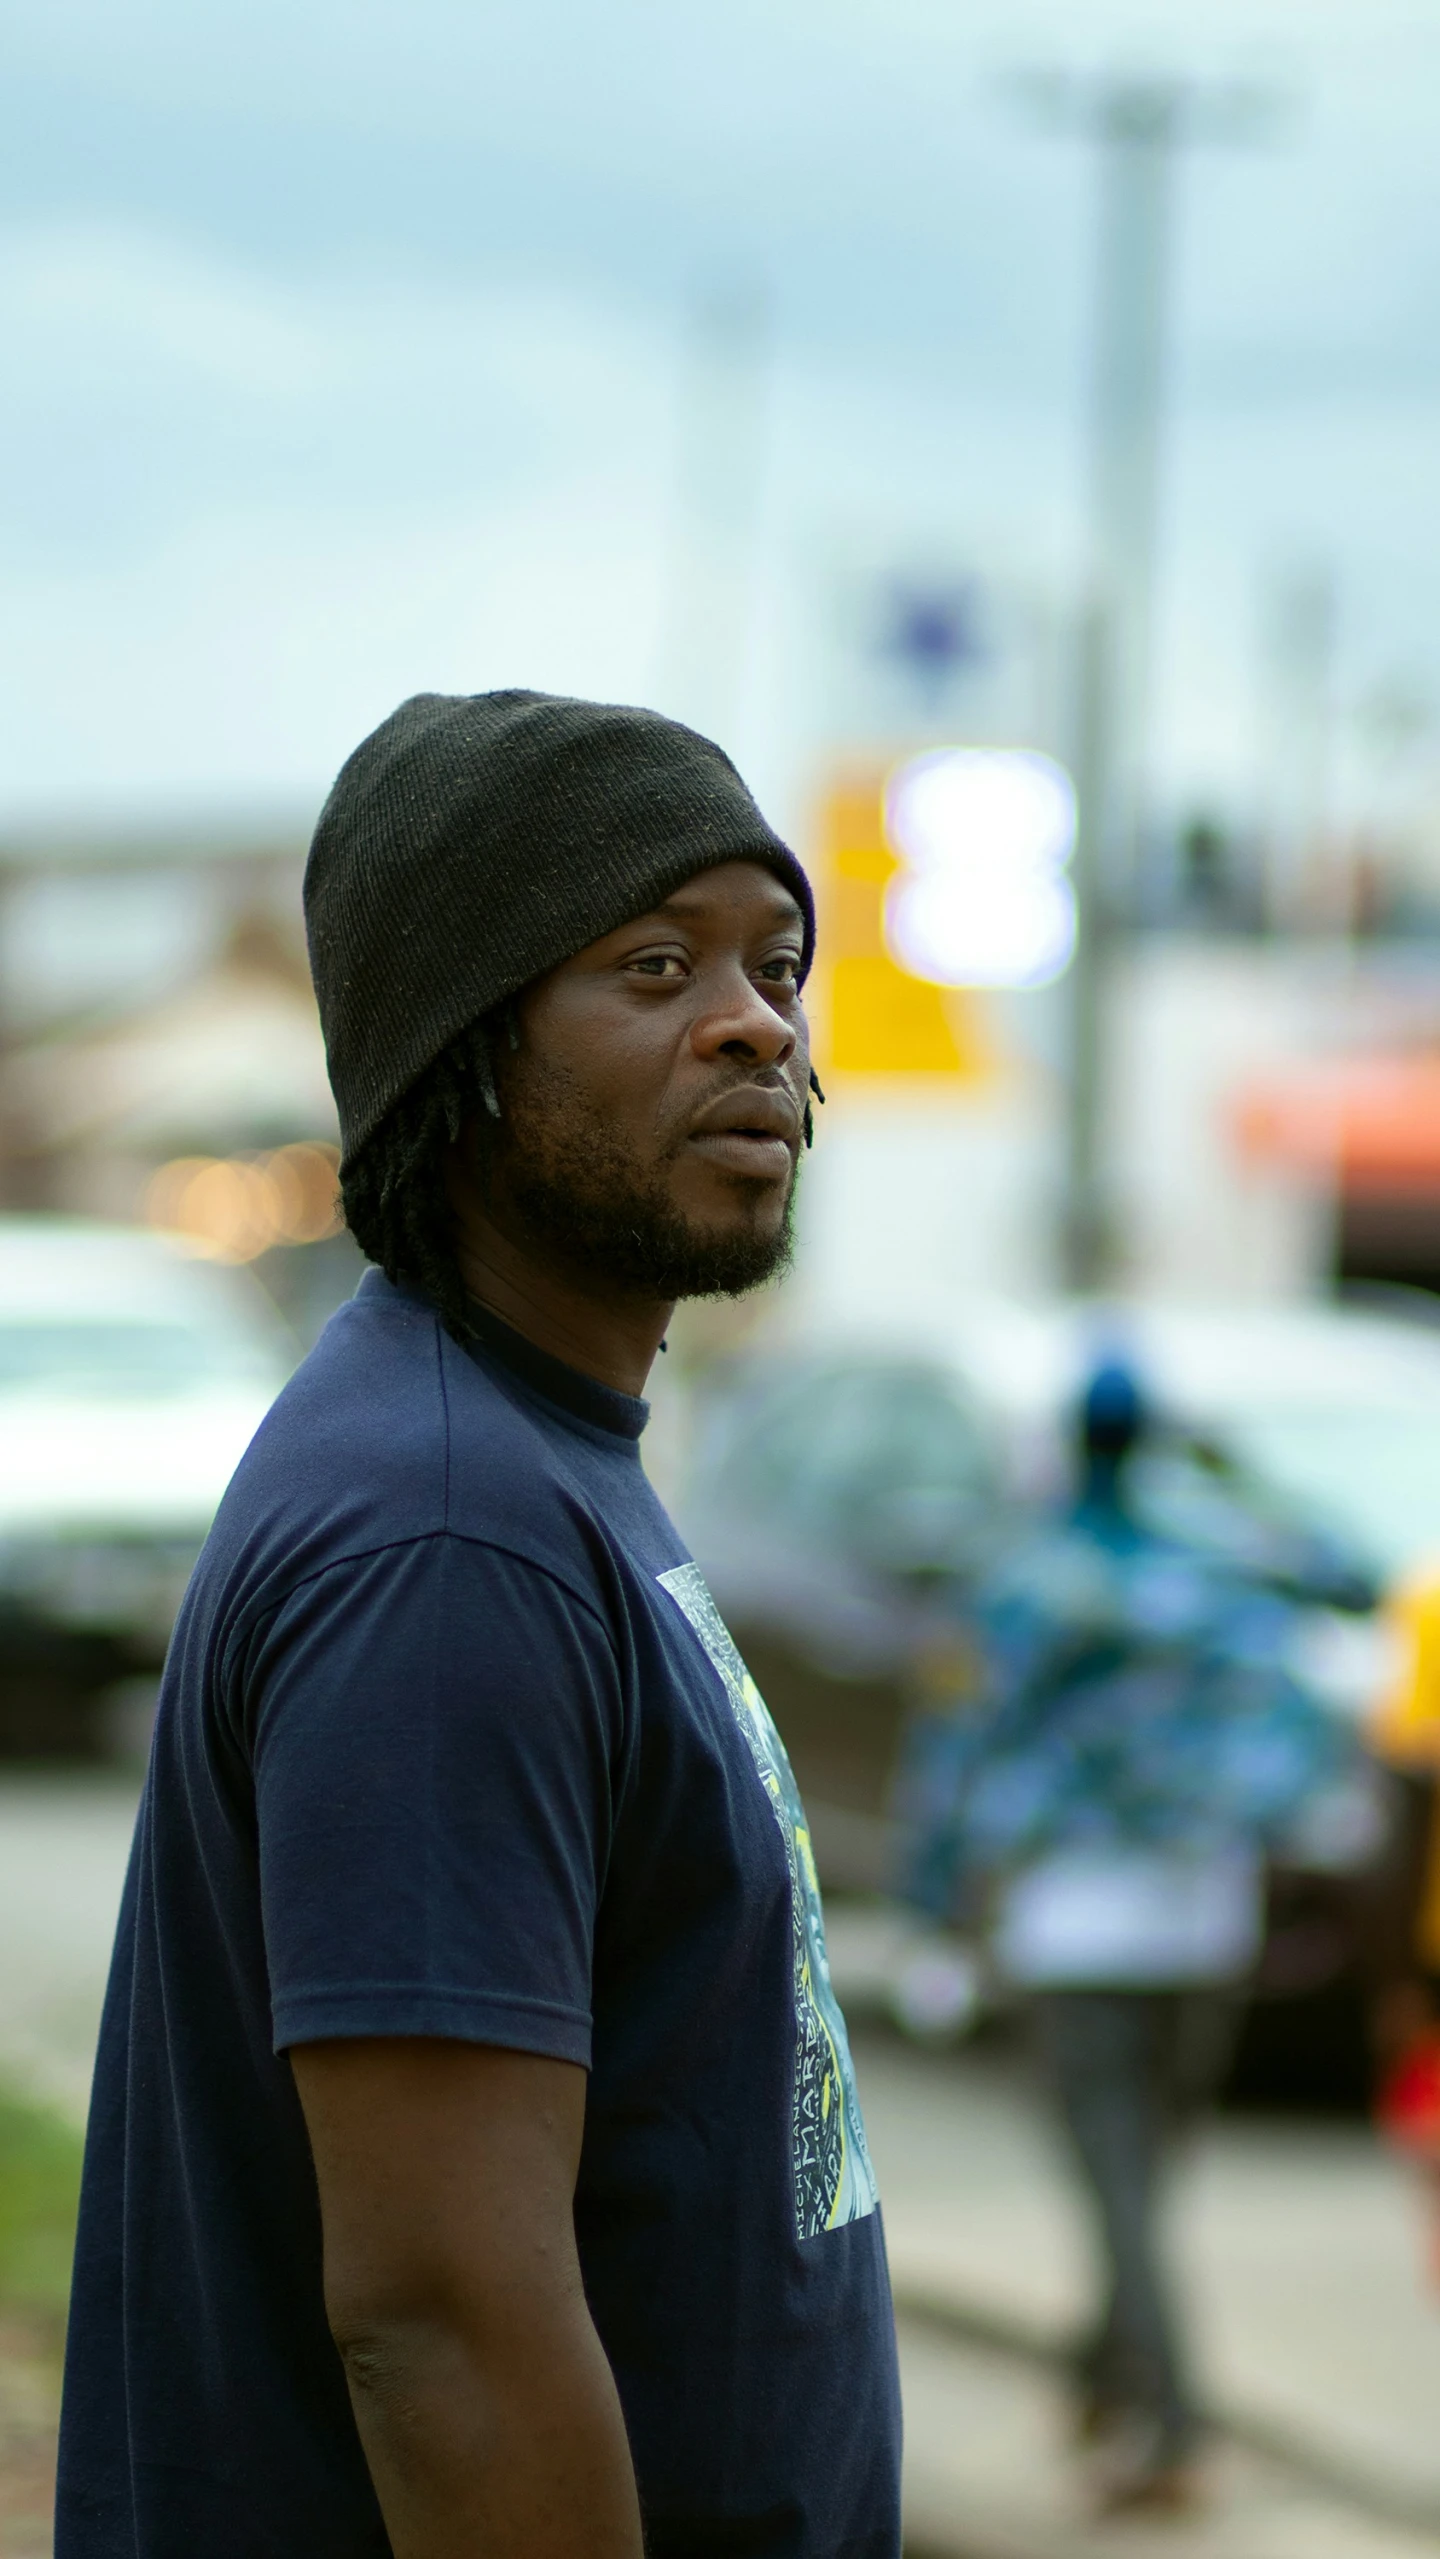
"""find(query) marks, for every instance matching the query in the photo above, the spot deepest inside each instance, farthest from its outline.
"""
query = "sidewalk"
(985, 2478)
(1318, 2344)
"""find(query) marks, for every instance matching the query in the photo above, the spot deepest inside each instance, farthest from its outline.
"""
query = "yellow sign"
(873, 1017)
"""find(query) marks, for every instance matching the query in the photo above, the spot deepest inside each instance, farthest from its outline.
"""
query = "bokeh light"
(240, 1206)
(985, 835)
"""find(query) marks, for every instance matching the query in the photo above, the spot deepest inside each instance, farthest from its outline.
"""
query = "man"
(474, 2164)
(1101, 1807)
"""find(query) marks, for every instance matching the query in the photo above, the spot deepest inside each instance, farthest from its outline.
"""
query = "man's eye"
(656, 964)
(784, 971)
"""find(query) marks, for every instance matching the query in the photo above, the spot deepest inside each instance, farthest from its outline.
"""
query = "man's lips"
(751, 1130)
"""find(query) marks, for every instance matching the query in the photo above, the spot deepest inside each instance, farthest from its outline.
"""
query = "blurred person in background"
(1098, 1810)
(475, 2160)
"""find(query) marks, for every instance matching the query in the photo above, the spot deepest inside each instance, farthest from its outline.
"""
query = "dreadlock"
(393, 1190)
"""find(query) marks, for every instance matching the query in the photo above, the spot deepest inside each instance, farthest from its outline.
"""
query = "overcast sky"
(343, 352)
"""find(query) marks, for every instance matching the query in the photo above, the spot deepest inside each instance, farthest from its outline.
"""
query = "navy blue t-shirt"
(452, 1742)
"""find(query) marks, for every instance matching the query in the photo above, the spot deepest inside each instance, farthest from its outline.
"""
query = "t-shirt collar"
(603, 1407)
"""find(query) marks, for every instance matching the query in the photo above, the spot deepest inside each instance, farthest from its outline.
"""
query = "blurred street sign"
(915, 640)
(933, 630)
(873, 1017)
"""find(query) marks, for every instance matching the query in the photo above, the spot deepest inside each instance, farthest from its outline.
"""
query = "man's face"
(651, 1118)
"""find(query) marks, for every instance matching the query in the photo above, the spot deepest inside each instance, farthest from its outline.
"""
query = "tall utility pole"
(1301, 636)
(1086, 1242)
(1137, 126)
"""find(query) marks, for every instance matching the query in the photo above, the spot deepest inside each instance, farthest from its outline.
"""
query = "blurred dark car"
(827, 1499)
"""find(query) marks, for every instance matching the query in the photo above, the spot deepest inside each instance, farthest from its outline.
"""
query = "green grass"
(39, 2190)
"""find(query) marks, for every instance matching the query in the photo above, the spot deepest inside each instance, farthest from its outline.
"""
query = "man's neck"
(608, 1336)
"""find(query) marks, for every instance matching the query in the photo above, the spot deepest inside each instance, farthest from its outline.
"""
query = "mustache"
(774, 1100)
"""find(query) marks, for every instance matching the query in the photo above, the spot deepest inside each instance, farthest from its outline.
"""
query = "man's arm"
(486, 2407)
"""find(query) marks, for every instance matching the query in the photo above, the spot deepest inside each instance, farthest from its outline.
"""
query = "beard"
(603, 1215)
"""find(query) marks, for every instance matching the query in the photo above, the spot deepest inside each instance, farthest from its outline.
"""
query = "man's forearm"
(484, 2452)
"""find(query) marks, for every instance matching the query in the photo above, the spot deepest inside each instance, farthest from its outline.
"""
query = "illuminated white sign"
(985, 835)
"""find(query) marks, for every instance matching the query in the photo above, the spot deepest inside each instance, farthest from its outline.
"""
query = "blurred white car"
(824, 1475)
(1336, 1409)
(133, 1374)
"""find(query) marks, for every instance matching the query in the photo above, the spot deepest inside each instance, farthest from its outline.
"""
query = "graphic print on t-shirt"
(834, 2180)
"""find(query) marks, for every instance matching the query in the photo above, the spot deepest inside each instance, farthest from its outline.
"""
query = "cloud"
(154, 384)
(344, 344)
(113, 292)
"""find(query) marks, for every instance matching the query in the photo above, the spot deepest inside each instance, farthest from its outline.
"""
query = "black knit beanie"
(476, 840)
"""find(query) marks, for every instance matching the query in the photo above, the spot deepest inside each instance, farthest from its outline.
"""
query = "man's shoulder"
(385, 1434)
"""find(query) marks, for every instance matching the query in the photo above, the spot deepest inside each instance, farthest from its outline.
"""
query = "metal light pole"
(1085, 1237)
(1301, 635)
(1137, 126)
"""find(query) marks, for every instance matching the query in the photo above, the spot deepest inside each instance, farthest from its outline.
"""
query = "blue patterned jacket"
(1126, 1689)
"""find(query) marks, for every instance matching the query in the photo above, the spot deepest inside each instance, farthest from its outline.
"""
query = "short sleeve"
(435, 1730)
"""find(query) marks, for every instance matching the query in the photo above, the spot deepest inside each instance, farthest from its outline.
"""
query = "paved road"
(63, 1846)
(1301, 2244)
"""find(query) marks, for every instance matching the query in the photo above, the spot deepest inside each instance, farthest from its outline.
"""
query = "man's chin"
(728, 1261)
(633, 1236)
(667, 1257)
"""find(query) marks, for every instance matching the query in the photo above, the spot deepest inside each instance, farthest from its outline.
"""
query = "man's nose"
(740, 1024)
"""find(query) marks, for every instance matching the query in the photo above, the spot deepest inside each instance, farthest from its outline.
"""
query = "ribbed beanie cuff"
(475, 841)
